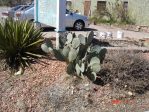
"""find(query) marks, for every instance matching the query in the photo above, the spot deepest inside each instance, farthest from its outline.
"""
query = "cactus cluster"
(83, 58)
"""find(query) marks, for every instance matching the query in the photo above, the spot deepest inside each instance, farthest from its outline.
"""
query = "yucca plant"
(19, 43)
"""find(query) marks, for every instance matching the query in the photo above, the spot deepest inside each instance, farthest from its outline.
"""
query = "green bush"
(81, 55)
(19, 43)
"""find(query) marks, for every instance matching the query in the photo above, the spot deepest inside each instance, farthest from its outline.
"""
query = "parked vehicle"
(74, 20)
(10, 13)
(25, 14)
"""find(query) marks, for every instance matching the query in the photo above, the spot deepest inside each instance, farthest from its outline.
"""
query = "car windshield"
(24, 7)
(16, 8)
(28, 7)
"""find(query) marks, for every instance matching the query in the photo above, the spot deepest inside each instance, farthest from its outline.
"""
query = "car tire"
(79, 25)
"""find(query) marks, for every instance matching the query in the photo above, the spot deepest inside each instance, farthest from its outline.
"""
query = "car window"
(16, 8)
(29, 7)
(24, 7)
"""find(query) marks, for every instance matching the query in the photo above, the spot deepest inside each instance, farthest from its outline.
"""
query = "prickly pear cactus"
(83, 58)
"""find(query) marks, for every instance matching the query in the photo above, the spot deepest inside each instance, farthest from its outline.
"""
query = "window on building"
(101, 6)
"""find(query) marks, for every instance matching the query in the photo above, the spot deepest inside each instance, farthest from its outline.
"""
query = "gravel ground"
(20, 93)
(48, 89)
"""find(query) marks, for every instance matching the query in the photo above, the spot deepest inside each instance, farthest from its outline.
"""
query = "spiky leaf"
(19, 42)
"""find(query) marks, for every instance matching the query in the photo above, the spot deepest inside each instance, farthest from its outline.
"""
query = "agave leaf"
(75, 42)
(96, 67)
(35, 55)
(35, 43)
(69, 38)
(72, 55)
(19, 42)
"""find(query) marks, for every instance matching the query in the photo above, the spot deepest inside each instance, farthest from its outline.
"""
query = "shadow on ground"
(125, 71)
(51, 29)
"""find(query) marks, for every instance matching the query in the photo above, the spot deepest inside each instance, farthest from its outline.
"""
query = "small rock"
(130, 93)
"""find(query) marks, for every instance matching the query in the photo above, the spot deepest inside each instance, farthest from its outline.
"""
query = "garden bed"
(49, 88)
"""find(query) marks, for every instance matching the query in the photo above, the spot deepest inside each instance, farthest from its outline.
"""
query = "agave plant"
(19, 43)
(82, 56)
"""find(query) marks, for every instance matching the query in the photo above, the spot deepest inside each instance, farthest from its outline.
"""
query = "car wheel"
(79, 25)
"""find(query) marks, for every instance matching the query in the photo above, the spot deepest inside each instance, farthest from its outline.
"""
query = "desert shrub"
(126, 70)
(114, 13)
(19, 43)
(102, 17)
(82, 57)
(118, 11)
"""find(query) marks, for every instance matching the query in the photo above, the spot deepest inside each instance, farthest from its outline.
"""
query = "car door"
(69, 19)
